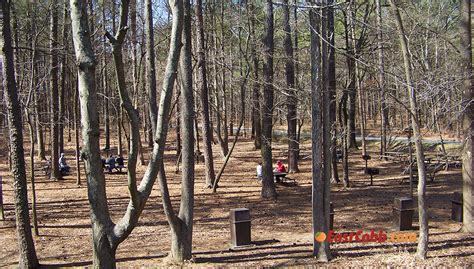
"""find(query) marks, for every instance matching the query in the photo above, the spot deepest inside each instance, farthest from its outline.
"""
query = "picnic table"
(279, 176)
(431, 170)
(395, 155)
(117, 165)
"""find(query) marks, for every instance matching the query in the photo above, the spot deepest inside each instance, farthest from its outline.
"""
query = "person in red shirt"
(280, 167)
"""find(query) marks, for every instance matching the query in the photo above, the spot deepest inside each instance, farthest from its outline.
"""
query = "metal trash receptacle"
(403, 214)
(240, 227)
(456, 207)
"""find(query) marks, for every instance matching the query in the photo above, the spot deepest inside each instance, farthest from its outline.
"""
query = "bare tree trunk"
(181, 224)
(358, 89)
(268, 186)
(39, 129)
(105, 85)
(181, 236)
(55, 174)
(332, 89)
(381, 77)
(27, 253)
(178, 125)
(420, 158)
(103, 253)
(32, 133)
(292, 92)
(223, 136)
(150, 64)
(135, 71)
(243, 85)
(345, 147)
(31, 117)
(76, 136)
(351, 88)
(62, 89)
(320, 249)
(468, 123)
(256, 107)
(204, 96)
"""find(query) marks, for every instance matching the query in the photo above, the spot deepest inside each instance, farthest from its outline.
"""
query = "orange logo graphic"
(320, 237)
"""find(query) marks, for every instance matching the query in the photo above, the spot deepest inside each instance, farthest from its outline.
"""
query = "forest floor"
(281, 229)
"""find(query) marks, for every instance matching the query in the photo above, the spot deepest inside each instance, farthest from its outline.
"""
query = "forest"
(253, 133)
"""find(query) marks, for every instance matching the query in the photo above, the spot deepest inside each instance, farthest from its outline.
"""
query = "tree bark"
(293, 147)
(27, 253)
(351, 88)
(204, 96)
(320, 249)
(103, 253)
(150, 64)
(55, 174)
(268, 186)
(181, 224)
(420, 158)
(181, 239)
(332, 88)
(62, 89)
(256, 108)
(357, 84)
(381, 78)
(468, 123)
(76, 136)
(105, 86)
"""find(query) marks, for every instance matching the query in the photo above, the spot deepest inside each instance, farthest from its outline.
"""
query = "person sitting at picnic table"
(110, 163)
(280, 167)
(119, 163)
(63, 167)
(259, 171)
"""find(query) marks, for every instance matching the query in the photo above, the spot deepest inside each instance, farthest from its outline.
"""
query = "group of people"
(113, 162)
(279, 168)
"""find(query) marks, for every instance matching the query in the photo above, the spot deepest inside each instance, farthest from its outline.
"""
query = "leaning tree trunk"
(204, 96)
(27, 253)
(468, 123)
(320, 249)
(292, 92)
(420, 158)
(268, 186)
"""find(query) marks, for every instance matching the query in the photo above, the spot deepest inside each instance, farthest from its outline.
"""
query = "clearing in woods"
(281, 230)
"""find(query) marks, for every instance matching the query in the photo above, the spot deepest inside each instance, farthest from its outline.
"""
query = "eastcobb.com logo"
(366, 237)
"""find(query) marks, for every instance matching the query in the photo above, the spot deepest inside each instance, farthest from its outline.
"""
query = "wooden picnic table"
(279, 176)
(431, 170)
(395, 155)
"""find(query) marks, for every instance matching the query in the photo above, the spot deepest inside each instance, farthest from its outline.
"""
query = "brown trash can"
(240, 227)
(456, 207)
(403, 214)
